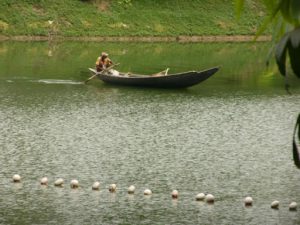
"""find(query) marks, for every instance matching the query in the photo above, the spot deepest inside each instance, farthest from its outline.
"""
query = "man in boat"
(103, 62)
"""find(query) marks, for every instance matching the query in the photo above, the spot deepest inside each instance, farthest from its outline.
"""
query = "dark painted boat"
(179, 80)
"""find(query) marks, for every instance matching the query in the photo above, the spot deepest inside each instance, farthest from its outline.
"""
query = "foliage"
(285, 16)
(290, 43)
(296, 154)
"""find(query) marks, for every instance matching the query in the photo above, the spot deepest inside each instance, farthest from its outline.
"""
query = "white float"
(16, 178)
(44, 181)
(210, 198)
(59, 182)
(147, 192)
(174, 194)
(275, 205)
(293, 206)
(131, 189)
(200, 197)
(96, 185)
(74, 183)
(248, 201)
(112, 187)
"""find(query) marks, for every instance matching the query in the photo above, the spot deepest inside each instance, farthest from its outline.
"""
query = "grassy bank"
(126, 18)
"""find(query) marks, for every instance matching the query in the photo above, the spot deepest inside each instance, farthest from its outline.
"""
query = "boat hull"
(180, 80)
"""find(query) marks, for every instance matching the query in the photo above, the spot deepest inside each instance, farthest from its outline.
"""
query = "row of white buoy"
(209, 198)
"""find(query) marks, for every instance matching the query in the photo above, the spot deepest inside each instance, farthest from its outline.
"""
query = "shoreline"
(180, 39)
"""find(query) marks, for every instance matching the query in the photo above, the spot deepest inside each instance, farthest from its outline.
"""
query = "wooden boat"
(178, 80)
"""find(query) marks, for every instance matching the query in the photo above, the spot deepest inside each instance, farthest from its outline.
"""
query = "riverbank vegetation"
(126, 18)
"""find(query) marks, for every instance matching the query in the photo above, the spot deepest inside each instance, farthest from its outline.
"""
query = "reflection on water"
(229, 136)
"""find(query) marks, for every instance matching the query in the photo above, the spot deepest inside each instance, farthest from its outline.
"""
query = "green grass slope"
(126, 17)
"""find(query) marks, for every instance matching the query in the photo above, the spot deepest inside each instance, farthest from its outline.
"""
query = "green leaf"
(295, 38)
(239, 5)
(280, 53)
(270, 4)
(295, 146)
(285, 10)
(290, 10)
(267, 21)
(295, 11)
(298, 123)
(296, 154)
(294, 54)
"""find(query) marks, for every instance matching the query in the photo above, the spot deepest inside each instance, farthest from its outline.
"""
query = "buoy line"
(208, 198)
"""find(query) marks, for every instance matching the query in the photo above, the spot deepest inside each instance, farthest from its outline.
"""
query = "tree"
(285, 17)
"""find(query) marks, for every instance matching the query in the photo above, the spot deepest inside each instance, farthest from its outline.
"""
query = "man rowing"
(103, 62)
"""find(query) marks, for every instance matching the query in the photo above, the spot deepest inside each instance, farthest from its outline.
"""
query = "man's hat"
(104, 54)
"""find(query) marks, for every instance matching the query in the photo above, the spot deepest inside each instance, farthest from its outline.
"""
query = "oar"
(161, 72)
(105, 70)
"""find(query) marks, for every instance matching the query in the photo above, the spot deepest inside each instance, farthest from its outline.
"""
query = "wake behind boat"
(160, 80)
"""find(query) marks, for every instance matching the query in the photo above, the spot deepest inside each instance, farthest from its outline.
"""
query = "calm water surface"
(229, 136)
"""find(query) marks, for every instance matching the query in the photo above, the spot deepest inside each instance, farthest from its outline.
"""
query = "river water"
(229, 136)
